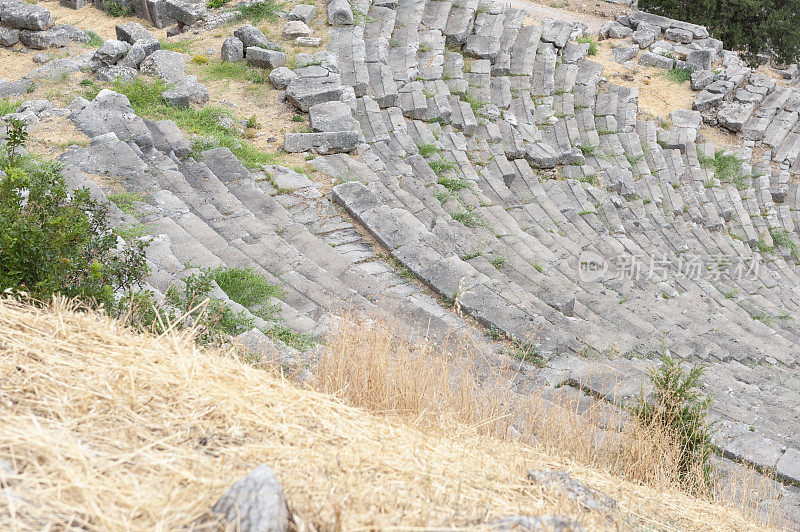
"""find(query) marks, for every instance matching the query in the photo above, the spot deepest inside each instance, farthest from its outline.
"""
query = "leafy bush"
(727, 168)
(680, 409)
(249, 289)
(679, 75)
(755, 27)
(7, 106)
(215, 4)
(591, 42)
(266, 10)
(54, 240)
(117, 9)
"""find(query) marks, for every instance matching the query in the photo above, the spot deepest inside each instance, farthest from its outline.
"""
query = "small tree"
(55, 240)
(770, 27)
(680, 409)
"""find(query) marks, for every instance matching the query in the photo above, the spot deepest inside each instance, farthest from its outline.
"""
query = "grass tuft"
(592, 44)
(678, 75)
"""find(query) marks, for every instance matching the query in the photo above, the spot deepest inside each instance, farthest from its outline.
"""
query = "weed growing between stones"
(260, 11)
(117, 9)
(145, 98)
(679, 75)
(781, 238)
(216, 4)
(453, 184)
(439, 166)
(7, 106)
(234, 71)
(427, 149)
(679, 409)
(727, 168)
(249, 289)
(94, 39)
(592, 44)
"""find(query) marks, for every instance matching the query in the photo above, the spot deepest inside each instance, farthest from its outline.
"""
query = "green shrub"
(249, 289)
(679, 409)
(7, 106)
(182, 46)
(54, 240)
(94, 39)
(215, 4)
(117, 9)
(679, 75)
(439, 166)
(592, 44)
(727, 168)
(453, 184)
(754, 27)
(266, 10)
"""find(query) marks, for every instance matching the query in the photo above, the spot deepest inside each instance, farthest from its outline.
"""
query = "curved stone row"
(465, 114)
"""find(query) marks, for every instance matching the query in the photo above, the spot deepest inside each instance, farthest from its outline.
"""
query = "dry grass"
(657, 95)
(109, 430)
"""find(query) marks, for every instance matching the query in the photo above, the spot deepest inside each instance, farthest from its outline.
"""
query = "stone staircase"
(495, 164)
(466, 111)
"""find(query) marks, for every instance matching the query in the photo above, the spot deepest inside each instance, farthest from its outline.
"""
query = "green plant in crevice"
(679, 409)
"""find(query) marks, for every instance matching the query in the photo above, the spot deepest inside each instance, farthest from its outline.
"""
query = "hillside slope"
(104, 429)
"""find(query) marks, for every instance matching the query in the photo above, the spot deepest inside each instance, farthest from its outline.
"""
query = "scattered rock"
(294, 29)
(108, 54)
(281, 77)
(699, 59)
(40, 40)
(255, 503)
(701, 79)
(134, 57)
(305, 92)
(41, 58)
(339, 13)
(302, 12)
(252, 36)
(656, 60)
(623, 54)
(8, 36)
(308, 41)
(166, 65)
(575, 490)
(548, 523)
(322, 143)
(265, 58)
(331, 116)
(133, 32)
(232, 49)
(22, 16)
(113, 73)
(618, 31)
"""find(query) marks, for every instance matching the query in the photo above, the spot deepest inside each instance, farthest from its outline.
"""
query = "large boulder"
(252, 36)
(255, 503)
(305, 92)
(265, 58)
(322, 143)
(164, 64)
(40, 40)
(108, 54)
(232, 49)
(133, 32)
(22, 16)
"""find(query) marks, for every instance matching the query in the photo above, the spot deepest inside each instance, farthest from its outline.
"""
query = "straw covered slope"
(105, 429)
